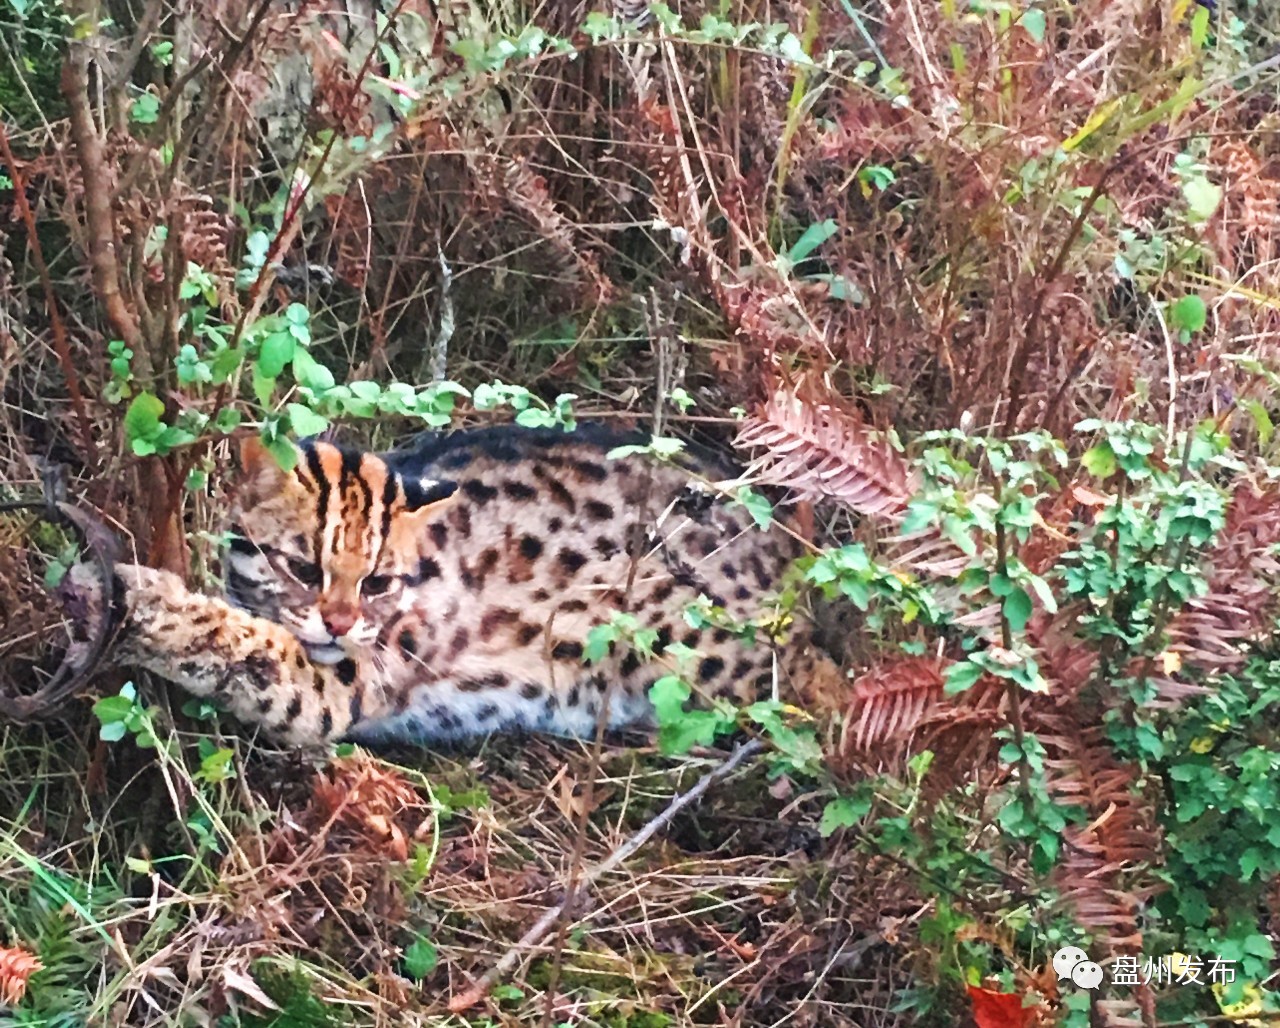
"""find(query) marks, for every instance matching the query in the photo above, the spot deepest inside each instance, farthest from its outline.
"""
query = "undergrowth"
(984, 292)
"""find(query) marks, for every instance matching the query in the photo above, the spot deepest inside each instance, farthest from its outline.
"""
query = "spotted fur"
(447, 590)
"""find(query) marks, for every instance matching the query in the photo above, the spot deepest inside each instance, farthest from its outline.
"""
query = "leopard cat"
(446, 590)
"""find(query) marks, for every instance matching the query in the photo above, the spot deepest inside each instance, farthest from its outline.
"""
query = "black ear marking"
(419, 493)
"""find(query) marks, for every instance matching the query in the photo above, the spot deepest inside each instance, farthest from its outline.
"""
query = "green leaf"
(227, 420)
(1000, 584)
(171, 437)
(695, 728)
(813, 237)
(285, 453)
(277, 351)
(1043, 590)
(961, 676)
(310, 373)
(668, 695)
(304, 421)
(1188, 314)
(1193, 906)
(420, 959)
(1017, 609)
(1100, 461)
(1200, 27)
(791, 48)
(599, 25)
(1202, 197)
(263, 387)
(1250, 861)
(535, 417)
(145, 109)
(599, 639)
(225, 362)
(1033, 21)
(1261, 420)
(113, 708)
(142, 419)
(667, 18)
(509, 993)
(843, 812)
(760, 509)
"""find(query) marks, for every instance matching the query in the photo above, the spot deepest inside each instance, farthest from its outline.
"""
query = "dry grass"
(329, 874)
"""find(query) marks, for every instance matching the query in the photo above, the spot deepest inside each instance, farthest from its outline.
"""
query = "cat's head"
(327, 549)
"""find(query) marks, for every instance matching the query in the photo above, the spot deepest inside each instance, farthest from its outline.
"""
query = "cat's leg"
(253, 667)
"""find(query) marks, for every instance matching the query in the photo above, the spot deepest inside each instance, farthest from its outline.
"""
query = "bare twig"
(1031, 334)
(60, 345)
(440, 348)
(544, 924)
(98, 217)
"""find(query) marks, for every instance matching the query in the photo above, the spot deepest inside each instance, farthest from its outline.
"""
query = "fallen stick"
(475, 994)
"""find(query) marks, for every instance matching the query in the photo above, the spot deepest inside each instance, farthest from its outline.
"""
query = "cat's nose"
(340, 621)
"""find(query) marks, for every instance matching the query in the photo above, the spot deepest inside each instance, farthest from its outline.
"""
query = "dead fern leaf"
(890, 701)
(824, 453)
(900, 707)
(1120, 836)
(367, 801)
(1213, 632)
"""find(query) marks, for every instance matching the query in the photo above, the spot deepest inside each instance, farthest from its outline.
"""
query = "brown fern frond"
(889, 701)
(824, 453)
(526, 191)
(930, 553)
(1213, 633)
(1099, 857)
(1065, 659)
(900, 706)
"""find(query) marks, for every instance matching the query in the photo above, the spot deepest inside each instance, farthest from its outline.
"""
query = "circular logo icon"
(1087, 974)
(1065, 960)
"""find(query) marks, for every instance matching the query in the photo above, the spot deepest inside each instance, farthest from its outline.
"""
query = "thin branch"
(98, 216)
(531, 938)
(60, 344)
(1031, 334)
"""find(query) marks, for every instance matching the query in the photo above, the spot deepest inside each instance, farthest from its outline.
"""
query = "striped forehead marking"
(355, 499)
(319, 477)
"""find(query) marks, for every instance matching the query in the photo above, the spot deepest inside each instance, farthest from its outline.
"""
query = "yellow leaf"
(787, 708)
(1171, 661)
(1202, 745)
(1092, 124)
(1249, 1005)
(1180, 10)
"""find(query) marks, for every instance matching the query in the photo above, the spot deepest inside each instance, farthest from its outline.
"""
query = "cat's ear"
(425, 499)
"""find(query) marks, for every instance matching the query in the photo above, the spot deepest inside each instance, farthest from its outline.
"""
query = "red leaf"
(999, 1009)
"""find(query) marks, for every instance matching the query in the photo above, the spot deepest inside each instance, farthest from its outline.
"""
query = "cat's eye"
(305, 571)
(375, 585)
